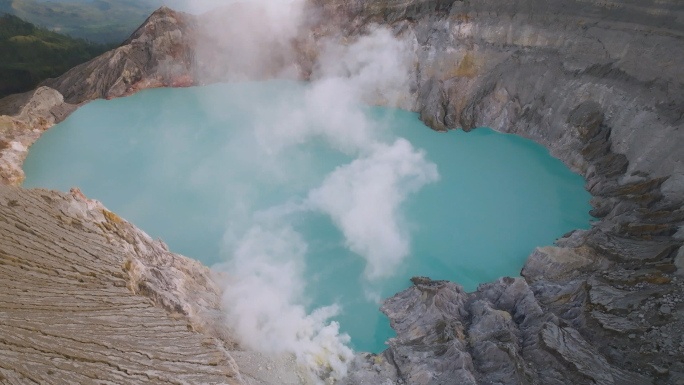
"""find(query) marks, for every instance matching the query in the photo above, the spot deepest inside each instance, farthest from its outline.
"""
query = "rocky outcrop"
(159, 54)
(23, 118)
(513, 332)
(496, 335)
(598, 83)
(176, 49)
(88, 297)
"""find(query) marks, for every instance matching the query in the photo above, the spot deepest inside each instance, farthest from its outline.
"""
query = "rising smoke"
(266, 297)
(247, 40)
(363, 199)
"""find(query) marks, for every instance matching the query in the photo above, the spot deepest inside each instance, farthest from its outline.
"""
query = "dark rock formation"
(600, 86)
(511, 332)
(598, 83)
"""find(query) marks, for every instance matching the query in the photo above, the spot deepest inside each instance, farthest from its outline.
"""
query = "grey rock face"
(554, 263)
(159, 54)
(432, 316)
(23, 118)
(599, 84)
(499, 334)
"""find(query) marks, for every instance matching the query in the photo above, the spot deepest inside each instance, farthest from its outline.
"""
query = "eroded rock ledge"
(87, 297)
(599, 84)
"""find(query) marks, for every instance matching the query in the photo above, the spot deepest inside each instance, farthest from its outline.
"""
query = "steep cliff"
(80, 287)
(159, 54)
(598, 83)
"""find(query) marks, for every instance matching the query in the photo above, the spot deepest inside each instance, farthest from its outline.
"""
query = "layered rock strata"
(599, 86)
(598, 83)
(88, 298)
(23, 118)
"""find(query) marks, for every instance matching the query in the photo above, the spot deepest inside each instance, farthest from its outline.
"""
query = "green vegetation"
(102, 21)
(45, 38)
(30, 54)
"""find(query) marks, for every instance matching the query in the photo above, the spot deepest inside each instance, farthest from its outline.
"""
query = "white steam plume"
(247, 40)
(363, 198)
(375, 68)
(265, 298)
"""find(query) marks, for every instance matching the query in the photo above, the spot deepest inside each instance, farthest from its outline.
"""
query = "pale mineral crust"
(88, 298)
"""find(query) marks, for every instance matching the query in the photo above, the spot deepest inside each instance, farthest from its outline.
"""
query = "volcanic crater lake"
(196, 166)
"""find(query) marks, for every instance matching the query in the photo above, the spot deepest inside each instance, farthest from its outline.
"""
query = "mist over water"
(313, 227)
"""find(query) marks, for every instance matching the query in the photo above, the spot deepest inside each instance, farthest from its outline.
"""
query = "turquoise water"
(183, 164)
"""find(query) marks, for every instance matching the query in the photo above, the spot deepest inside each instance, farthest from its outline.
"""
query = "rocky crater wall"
(598, 83)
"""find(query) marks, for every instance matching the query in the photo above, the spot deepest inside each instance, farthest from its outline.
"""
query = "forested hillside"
(30, 54)
(101, 21)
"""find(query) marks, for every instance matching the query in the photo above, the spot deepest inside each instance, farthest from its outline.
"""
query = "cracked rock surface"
(88, 298)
